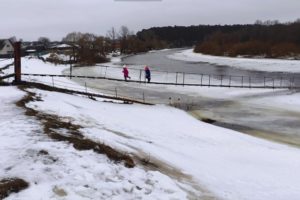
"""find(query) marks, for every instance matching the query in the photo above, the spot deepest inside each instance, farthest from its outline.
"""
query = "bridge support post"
(140, 75)
(242, 81)
(201, 79)
(17, 59)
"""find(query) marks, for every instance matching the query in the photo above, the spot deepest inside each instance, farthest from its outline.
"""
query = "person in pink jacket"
(126, 73)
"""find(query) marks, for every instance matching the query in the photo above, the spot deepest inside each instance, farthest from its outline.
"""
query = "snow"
(221, 162)
(32, 65)
(288, 100)
(62, 46)
(269, 65)
(65, 171)
(4, 62)
(61, 57)
(229, 164)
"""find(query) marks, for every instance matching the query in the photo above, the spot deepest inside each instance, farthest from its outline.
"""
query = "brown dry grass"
(52, 123)
(14, 185)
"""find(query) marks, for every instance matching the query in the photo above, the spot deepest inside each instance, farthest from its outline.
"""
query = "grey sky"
(29, 19)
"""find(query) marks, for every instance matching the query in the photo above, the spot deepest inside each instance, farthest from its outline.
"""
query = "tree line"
(268, 38)
(91, 48)
(263, 38)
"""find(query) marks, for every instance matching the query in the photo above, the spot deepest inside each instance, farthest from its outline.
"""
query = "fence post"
(221, 80)
(249, 82)
(167, 77)
(242, 81)
(105, 71)
(70, 58)
(201, 78)
(140, 75)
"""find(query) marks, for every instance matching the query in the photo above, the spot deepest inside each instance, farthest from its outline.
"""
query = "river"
(275, 124)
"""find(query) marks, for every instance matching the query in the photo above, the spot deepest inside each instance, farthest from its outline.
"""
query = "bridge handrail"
(210, 84)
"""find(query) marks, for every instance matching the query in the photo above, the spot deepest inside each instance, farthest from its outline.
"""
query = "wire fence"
(64, 83)
(113, 73)
(193, 79)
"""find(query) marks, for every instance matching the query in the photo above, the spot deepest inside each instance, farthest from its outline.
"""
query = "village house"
(6, 48)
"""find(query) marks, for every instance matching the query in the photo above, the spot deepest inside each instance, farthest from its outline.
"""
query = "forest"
(268, 39)
(263, 38)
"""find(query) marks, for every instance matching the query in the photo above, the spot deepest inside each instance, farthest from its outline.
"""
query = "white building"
(6, 48)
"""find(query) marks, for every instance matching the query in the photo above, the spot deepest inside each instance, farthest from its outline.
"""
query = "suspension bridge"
(114, 73)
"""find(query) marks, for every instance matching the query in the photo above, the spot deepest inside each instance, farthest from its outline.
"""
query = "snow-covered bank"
(56, 170)
(268, 65)
(228, 163)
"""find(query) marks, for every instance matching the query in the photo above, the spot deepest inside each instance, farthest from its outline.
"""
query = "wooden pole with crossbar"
(17, 58)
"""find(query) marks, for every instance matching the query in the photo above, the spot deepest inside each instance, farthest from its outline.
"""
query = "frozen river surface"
(238, 113)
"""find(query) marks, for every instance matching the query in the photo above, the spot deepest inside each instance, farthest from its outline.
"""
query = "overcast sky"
(30, 19)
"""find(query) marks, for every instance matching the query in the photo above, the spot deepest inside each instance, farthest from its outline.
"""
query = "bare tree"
(123, 37)
(72, 37)
(13, 39)
(91, 49)
(124, 32)
(112, 35)
(45, 41)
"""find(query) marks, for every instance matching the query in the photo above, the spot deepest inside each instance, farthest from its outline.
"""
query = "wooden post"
(105, 71)
(70, 61)
(293, 82)
(249, 82)
(201, 79)
(17, 58)
(221, 80)
(140, 75)
(242, 81)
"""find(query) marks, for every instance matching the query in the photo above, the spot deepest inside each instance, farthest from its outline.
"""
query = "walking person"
(147, 74)
(125, 72)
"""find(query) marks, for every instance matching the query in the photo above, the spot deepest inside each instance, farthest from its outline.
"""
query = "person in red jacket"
(126, 73)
